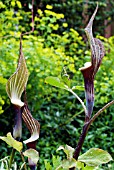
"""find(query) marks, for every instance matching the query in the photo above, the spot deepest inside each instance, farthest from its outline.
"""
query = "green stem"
(80, 100)
(100, 111)
(11, 158)
(23, 159)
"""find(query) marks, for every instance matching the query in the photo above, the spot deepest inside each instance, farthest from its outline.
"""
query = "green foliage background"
(47, 52)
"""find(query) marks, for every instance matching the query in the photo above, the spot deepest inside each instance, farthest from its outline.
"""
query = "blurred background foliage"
(58, 41)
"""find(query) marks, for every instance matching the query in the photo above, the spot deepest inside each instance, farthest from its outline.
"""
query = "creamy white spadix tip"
(17, 102)
(33, 138)
(86, 65)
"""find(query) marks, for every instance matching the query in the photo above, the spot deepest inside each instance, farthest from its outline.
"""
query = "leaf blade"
(12, 142)
(32, 154)
(95, 157)
(55, 81)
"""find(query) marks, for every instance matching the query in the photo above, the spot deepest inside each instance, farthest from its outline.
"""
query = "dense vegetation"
(52, 46)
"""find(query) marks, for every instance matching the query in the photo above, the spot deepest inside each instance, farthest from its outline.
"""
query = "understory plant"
(16, 86)
(94, 156)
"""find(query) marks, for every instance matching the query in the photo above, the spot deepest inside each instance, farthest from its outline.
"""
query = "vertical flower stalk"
(89, 71)
(90, 68)
(17, 130)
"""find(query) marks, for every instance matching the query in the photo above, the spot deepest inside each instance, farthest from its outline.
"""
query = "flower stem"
(11, 158)
(86, 128)
(23, 159)
(81, 140)
(80, 100)
(17, 130)
(33, 167)
(100, 111)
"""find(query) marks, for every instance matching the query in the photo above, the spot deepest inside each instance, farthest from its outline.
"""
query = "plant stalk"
(81, 140)
(86, 128)
(17, 130)
(80, 100)
(11, 158)
(100, 111)
(22, 157)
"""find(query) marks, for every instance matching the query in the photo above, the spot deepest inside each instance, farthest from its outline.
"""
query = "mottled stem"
(89, 95)
(81, 140)
(86, 128)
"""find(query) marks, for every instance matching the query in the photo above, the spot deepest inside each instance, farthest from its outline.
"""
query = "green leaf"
(95, 157)
(80, 88)
(4, 163)
(66, 164)
(56, 161)
(12, 3)
(47, 165)
(17, 82)
(80, 166)
(55, 81)
(12, 142)
(19, 4)
(32, 154)
(65, 77)
(89, 168)
(68, 150)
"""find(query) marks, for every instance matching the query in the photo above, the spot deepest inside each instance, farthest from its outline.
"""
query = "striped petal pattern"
(32, 124)
(90, 69)
(17, 82)
(97, 49)
(34, 128)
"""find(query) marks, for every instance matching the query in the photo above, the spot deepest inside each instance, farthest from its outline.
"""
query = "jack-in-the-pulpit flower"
(17, 82)
(14, 88)
(90, 68)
